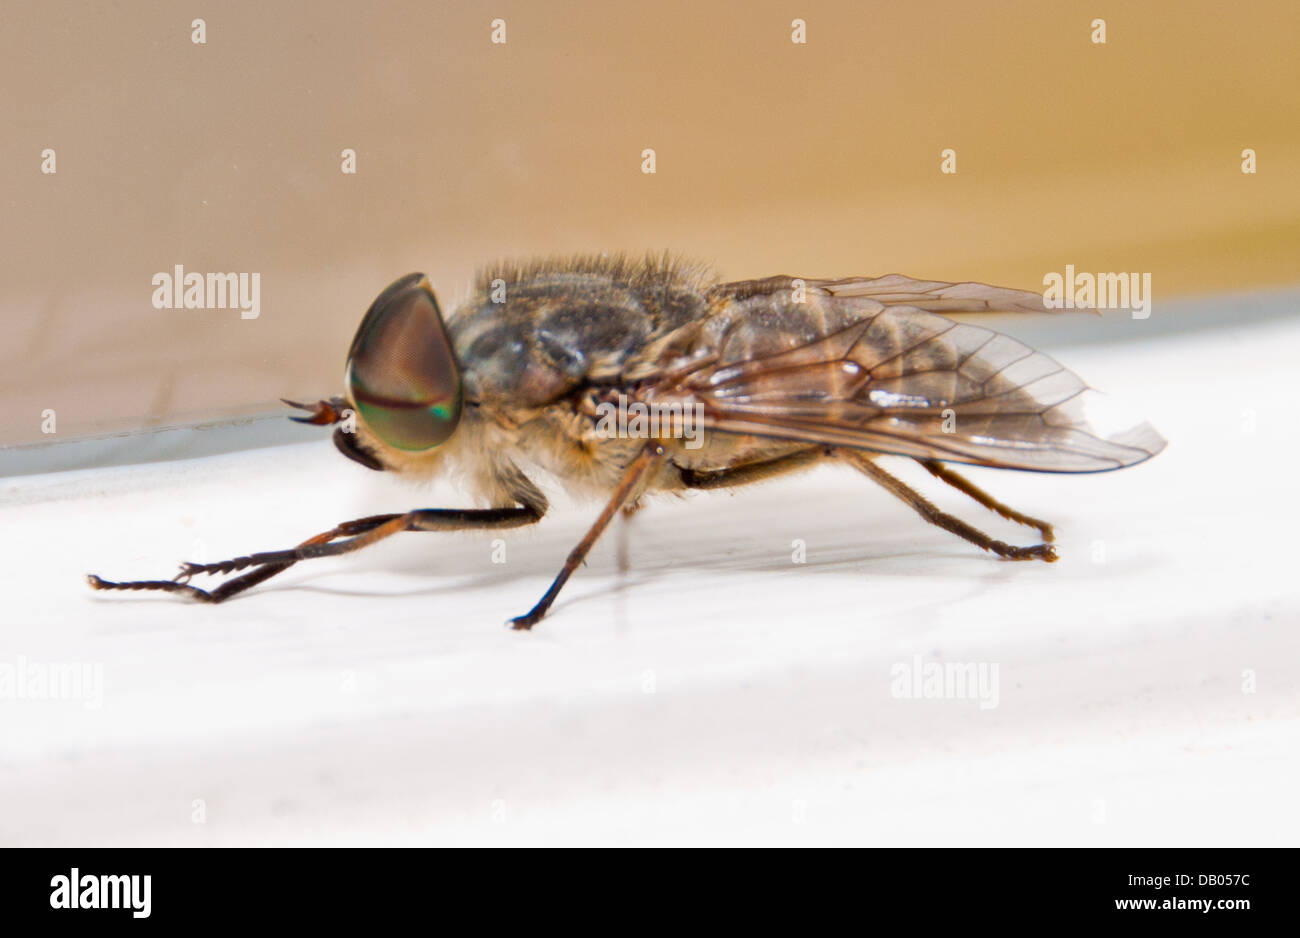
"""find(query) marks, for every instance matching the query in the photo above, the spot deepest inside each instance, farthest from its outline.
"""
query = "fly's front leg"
(264, 572)
(633, 477)
(359, 533)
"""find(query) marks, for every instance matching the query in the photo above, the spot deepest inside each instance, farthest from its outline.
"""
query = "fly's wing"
(934, 296)
(867, 364)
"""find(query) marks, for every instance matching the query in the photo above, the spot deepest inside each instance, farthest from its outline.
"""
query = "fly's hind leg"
(753, 472)
(961, 484)
(867, 465)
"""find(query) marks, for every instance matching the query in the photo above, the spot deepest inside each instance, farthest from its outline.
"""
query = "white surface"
(713, 692)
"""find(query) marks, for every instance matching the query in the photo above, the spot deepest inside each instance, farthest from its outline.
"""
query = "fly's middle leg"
(629, 487)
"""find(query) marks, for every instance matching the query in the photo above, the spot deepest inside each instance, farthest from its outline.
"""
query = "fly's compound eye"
(402, 374)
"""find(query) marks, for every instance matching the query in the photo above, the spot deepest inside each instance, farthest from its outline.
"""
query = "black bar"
(366, 887)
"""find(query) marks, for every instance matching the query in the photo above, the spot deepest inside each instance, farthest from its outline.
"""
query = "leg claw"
(524, 623)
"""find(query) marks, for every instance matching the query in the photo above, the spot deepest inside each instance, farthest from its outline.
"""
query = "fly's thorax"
(561, 441)
(501, 361)
(535, 334)
(566, 442)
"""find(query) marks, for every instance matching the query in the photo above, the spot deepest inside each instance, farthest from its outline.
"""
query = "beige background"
(819, 160)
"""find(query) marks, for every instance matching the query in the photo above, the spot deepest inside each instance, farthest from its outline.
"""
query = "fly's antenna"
(323, 413)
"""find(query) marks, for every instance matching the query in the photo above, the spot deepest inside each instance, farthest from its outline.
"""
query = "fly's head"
(404, 391)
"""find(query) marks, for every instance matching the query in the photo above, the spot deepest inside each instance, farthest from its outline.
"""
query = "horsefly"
(623, 378)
